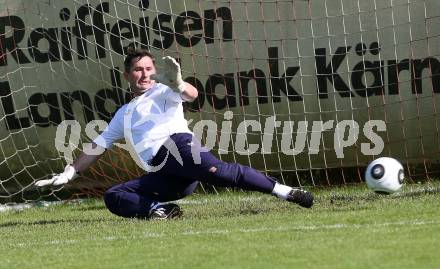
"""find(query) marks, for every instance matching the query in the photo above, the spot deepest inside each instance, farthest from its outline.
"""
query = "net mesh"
(307, 91)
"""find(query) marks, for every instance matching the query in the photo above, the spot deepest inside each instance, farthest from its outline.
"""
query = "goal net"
(307, 91)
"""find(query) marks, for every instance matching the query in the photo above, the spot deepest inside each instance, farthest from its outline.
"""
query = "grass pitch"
(349, 227)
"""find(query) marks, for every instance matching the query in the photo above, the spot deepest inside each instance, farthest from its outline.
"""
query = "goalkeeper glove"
(69, 174)
(172, 76)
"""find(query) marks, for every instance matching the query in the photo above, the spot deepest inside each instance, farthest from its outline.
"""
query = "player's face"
(139, 75)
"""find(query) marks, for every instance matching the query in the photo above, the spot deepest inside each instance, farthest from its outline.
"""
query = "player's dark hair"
(136, 54)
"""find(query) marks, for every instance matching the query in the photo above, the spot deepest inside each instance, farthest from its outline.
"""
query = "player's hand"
(171, 76)
(69, 174)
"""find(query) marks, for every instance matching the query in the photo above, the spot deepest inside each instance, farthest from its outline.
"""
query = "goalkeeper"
(154, 124)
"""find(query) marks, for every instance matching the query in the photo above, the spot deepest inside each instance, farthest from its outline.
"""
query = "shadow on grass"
(91, 208)
(411, 192)
(419, 192)
(48, 222)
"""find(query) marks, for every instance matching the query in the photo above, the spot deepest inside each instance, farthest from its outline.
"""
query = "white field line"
(147, 235)
(217, 200)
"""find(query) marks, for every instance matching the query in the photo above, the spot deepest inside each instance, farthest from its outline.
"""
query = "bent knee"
(111, 201)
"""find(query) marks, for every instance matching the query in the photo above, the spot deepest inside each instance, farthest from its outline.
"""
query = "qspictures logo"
(345, 134)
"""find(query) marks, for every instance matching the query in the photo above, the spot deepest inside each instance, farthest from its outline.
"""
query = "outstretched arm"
(71, 171)
(172, 77)
(84, 160)
(189, 93)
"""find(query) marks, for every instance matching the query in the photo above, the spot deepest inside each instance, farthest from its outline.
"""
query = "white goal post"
(299, 89)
